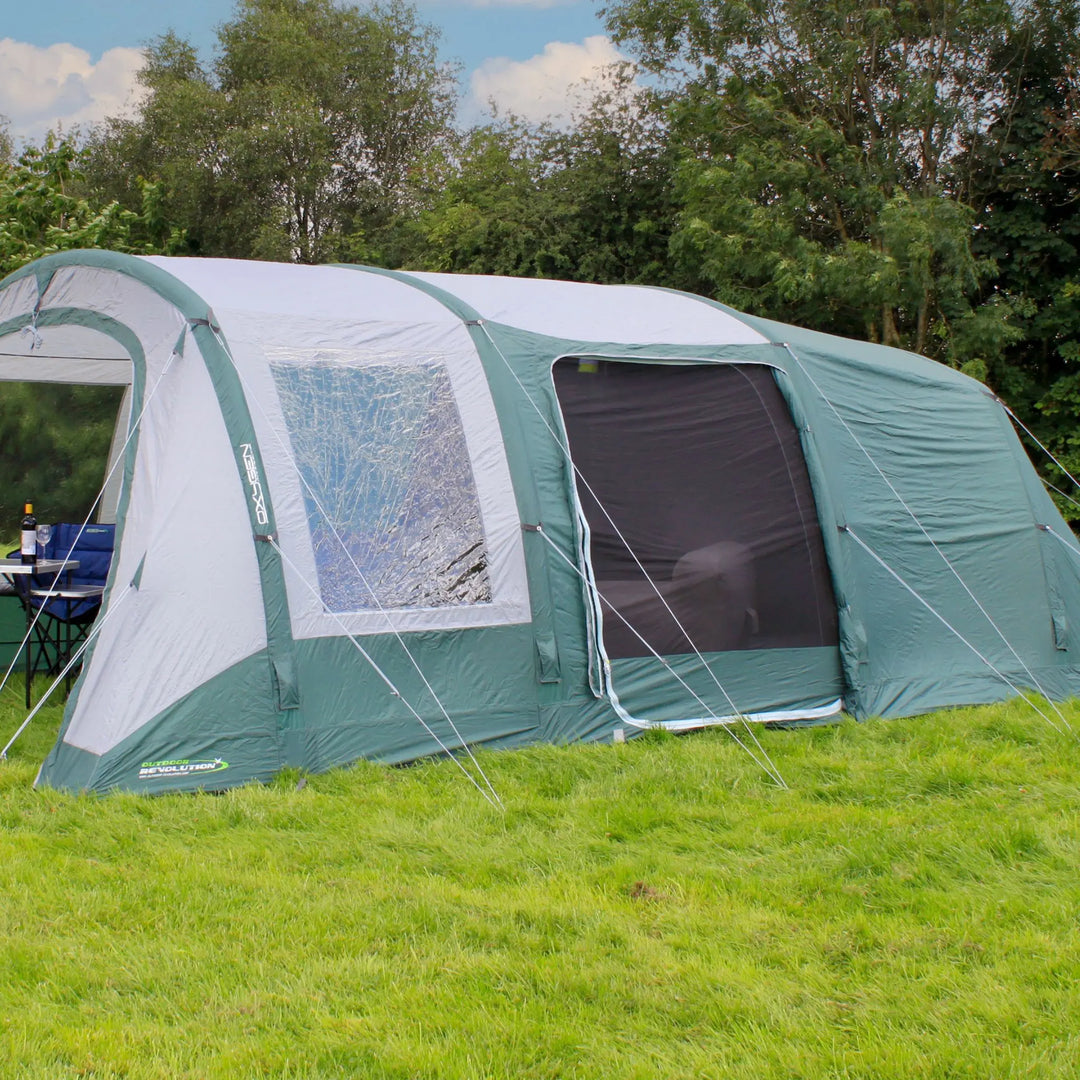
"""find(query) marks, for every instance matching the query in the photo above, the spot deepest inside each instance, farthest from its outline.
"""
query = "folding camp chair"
(62, 606)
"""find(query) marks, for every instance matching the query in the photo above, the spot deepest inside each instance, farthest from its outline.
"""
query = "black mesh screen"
(701, 471)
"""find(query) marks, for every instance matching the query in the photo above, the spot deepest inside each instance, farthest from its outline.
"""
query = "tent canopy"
(365, 513)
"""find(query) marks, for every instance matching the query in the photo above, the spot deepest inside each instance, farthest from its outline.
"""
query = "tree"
(1023, 178)
(7, 147)
(1026, 184)
(590, 203)
(54, 442)
(302, 134)
(819, 143)
(42, 212)
(614, 172)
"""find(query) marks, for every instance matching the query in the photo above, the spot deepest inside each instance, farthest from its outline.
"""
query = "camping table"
(10, 567)
(69, 594)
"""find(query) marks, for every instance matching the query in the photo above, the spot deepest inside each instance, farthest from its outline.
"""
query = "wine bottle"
(28, 544)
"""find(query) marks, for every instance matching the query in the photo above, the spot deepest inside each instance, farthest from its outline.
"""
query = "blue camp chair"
(63, 606)
(92, 549)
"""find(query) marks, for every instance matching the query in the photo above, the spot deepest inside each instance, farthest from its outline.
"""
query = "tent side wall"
(956, 579)
(361, 694)
(366, 701)
(944, 586)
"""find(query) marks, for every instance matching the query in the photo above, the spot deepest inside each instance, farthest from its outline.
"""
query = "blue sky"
(73, 62)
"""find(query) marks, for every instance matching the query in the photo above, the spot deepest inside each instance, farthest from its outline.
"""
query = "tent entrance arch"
(700, 530)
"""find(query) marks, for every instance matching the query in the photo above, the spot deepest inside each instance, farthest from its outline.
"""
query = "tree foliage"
(822, 173)
(1025, 180)
(54, 441)
(591, 203)
(303, 132)
(41, 211)
(7, 146)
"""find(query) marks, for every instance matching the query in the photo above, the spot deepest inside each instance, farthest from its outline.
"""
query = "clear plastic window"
(388, 487)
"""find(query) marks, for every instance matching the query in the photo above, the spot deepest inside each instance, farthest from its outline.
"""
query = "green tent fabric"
(374, 514)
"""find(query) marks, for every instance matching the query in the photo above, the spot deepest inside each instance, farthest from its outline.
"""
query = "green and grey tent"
(373, 514)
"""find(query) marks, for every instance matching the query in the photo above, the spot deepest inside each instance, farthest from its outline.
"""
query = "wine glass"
(44, 535)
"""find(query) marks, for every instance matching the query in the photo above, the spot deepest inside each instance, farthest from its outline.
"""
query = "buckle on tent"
(210, 322)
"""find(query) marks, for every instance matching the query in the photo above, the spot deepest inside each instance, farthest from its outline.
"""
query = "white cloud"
(40, 88)
(547, 86)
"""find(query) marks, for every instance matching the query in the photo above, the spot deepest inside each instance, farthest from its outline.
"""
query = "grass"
(907, 909)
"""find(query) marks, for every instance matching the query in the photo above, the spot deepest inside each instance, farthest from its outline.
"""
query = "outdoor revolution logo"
(179, 768)
(258, 499)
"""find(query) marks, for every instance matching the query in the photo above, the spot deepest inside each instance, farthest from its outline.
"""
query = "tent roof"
(310, 297)
(630, 314)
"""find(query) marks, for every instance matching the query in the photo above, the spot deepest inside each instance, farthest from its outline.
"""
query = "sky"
(72, 62)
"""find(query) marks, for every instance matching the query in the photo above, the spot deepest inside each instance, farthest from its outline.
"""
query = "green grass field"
(908, 908)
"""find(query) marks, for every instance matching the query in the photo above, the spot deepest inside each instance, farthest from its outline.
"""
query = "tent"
(374, 514)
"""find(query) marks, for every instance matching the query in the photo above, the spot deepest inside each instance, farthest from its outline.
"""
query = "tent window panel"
(701, 470)
(388, 486)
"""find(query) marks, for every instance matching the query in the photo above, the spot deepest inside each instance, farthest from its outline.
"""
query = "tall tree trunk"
(889, 334)
(923, 322)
